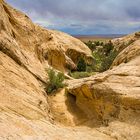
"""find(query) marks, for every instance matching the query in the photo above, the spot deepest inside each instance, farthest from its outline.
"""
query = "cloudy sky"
(83, 16)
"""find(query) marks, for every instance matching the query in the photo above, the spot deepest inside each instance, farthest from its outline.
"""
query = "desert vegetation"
(81, 65)
(103, 54)
(78, 75)
(55, 81)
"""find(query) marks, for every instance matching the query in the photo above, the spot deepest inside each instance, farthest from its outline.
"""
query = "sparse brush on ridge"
(55, 81)
(79, 75)
(83, 70)
(93, 44)
(103, 54)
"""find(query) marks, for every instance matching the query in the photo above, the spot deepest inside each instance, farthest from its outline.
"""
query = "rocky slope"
(34, 47)
(114, 96)
(129, 48)
(105, 106)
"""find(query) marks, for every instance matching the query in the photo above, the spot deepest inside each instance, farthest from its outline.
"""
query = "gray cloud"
(83, 16)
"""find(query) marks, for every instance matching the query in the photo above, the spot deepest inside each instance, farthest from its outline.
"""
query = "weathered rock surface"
(26, 50)
(105, 106)
(128, 53)
(34, 47)
(113, 97)
(123, 42)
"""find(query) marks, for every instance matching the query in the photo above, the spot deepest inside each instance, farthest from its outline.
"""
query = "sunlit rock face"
(105, 106)
(112, 98)
(35, 47)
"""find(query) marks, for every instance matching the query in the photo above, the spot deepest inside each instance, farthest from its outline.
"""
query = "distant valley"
(99, 37)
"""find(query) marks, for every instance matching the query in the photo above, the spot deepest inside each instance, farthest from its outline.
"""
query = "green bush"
(78, 75)
(56, 81)
(81, 66)
(93, 44)
(103, 56)
(103, 62)
(108, 47)
(108, 60)
(98, 58)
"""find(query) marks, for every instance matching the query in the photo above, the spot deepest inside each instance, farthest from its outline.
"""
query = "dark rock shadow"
(79, 117)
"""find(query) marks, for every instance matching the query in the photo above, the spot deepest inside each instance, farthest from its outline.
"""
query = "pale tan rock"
(129, 53)
(36, 47)
(25, 52)
(103, 107)
(110, 96)
(123, 42)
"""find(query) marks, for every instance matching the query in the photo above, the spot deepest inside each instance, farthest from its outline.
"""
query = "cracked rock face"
(105, 106)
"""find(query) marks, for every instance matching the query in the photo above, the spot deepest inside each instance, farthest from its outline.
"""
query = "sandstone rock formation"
(26, 50)
(129, 47)
(102, 107)
(34, 47)
(113, 97)
(123, 42)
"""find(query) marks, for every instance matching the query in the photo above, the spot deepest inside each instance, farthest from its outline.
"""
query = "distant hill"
(100, 37)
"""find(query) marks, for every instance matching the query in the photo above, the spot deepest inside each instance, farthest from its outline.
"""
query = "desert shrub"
(90, 68)
(93, 44)
(103, 62)
(81, 65)
(98, 58)
(98, 43)
(103, 56)
(108, 60)
(56, 81)
(108, 47)
(78, 75)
